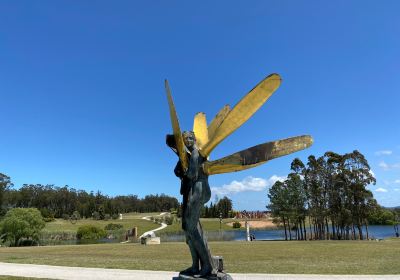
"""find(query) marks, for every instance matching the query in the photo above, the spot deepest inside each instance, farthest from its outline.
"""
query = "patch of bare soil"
(257, 224)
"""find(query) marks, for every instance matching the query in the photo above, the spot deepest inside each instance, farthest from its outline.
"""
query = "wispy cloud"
(386, 166)
(384, 153)
(247, 184)
(381, 190)
(397, 181)
(397, 190)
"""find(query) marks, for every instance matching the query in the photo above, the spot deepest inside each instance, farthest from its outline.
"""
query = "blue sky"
(83, 103)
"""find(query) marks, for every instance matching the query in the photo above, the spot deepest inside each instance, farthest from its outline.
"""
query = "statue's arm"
(178, 170)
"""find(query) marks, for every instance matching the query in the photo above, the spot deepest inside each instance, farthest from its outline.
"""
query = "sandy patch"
(257, 224)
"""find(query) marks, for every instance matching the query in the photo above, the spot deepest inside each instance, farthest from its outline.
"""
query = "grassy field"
(307, 257)
(129, 221)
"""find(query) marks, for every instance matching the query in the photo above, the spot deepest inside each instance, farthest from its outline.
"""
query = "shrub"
(76, 215)
(169, 220)
(96, 215)
(22, 223)
(65, 216)
(115, 216)
(90, 232)
(107, 217)
(48, 219)
(112, 226)
(236, 224)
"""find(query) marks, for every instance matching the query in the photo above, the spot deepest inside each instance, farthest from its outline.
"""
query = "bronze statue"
(193, 168)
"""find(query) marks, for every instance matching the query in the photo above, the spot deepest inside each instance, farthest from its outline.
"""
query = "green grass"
(129, 221)
(305, 257)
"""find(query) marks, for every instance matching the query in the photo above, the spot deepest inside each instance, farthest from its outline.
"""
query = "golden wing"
(257, 155)
(200, 129)
(180, 146)
(242, 111)
(216, 122)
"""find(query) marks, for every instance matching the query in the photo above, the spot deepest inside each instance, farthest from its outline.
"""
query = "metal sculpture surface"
(193, 168)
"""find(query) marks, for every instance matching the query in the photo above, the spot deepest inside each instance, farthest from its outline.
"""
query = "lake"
(375, 232)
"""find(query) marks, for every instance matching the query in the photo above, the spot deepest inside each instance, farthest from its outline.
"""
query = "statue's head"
(189, 139)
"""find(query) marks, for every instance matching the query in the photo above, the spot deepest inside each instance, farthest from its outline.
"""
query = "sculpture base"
(218, 276)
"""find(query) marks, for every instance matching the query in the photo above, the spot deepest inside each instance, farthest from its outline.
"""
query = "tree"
(5, 184)
(22, 223)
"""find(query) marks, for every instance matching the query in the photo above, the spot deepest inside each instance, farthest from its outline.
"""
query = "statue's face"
(189, 140)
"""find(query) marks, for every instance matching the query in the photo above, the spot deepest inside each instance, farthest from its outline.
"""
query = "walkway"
(82, 273)
(148, 218)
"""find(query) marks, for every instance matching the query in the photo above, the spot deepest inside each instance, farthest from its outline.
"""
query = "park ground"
(276, 257)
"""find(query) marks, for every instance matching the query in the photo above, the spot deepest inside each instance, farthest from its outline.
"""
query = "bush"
(90, 232)
(65, 216)
(169, 220)
(22, 223)
(112, 226)
(76, 215)
(115, 216)
(48, 219)
(236, 225)
(107, 217)
(96, 215)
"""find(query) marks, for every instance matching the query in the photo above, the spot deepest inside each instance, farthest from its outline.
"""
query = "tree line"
(326, 198)
(57, 202)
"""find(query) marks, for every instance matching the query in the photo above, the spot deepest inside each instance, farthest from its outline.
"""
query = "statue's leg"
(195, 268)
(195, 230)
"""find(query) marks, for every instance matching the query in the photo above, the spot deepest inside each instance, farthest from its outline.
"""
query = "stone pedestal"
(218, 276)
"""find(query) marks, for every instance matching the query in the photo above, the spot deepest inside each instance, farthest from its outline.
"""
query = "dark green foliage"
(5, 184)
(112, 226)
(61, 201)
(20, 224)
(236, 225)
(382, 216)
(168, 219)
(222, 207)
(115, 216)
(331, 192)
(90, 232)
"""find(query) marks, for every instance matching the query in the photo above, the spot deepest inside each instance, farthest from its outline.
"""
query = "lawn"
(129, 221)
(306, 257)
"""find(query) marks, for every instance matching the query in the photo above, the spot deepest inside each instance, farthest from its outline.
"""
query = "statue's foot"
(190, 271)
(204, 272)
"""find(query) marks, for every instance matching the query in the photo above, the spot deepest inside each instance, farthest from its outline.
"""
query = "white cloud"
(384, 153)
(247, 184)
(397, 181)
(386, 166)
(381, 190)
(372, 173)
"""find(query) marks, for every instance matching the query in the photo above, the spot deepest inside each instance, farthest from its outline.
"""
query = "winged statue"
(193, 168)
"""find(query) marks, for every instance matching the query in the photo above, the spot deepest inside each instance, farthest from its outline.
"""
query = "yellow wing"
(243, 111)
(216, 122)
(180, 146)
(200, 129)
(257, 155)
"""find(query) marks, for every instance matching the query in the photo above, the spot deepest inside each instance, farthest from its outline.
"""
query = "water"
(375, 232)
